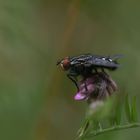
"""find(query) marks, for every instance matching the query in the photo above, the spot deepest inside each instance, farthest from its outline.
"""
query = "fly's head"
(64, 63)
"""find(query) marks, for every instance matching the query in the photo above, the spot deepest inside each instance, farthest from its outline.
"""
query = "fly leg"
(86, 86)
(105, 73)
(73, 79)
(85, 76)
(103, 70)
(96, 71)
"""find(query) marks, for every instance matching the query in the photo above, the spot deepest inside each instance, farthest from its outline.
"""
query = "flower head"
(97, 86)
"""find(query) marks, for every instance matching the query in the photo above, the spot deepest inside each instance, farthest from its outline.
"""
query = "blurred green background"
(36, 98)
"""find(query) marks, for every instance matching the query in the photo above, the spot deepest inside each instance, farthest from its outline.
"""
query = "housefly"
(86, 64)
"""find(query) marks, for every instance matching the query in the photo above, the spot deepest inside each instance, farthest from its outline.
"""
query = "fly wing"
(89, 60)
(107, 62)
(116, 57)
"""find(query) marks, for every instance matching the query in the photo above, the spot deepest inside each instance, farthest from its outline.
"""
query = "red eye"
(65, 64)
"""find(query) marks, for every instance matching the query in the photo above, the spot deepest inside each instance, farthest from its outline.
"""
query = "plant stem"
(116, 128)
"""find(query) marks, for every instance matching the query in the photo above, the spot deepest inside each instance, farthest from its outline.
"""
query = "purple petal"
(83, 94)
(79, 96)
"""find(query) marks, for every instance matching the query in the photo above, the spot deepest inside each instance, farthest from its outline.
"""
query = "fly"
(87, 64)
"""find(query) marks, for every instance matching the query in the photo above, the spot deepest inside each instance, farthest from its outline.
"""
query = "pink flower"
(97, 86)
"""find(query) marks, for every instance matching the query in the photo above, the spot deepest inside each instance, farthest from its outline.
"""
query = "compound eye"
(65, 64)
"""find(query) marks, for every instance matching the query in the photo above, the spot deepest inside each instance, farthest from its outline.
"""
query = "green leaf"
(111, 120)
(97, 126)
(93, 123)
(83, 128)
(118, 114)
(127, 108)
(134, 110)
(110, 129)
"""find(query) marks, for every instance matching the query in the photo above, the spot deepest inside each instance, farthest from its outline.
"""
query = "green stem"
(116, 128)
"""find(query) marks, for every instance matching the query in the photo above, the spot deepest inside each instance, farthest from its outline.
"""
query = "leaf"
(110, 129)
(93, 123)
(118, 114)
(134, 110)
(83, 128)
(127, 108)
(97, 126)
(111, 121)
